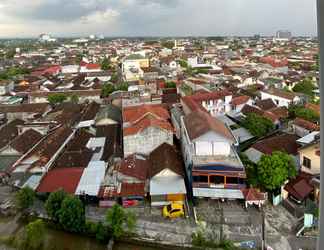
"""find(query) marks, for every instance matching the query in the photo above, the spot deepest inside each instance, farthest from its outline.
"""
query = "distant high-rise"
(283, 34)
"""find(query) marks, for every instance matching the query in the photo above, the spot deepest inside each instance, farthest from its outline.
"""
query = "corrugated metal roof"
(96, 142)
(167, 185)
(91, 178)
(242, 135)
(33, 182)
(308, 138)
(218, 193)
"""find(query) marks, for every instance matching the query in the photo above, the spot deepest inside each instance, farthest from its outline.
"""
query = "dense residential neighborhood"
(220, 135)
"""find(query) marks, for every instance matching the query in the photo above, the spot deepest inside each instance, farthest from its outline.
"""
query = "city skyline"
(131, 18)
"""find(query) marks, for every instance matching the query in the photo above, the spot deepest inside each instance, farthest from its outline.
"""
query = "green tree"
(306, 87)
(10, 53)
(72, 214)
(32, 237)
(55, 99)
(102, 234)
(74, 99)
(25, 198)
(202, 71)
(105, 64)
(117, 218)
(170, 85)
(167, 44)
(183, 63)
(114, 78)
(53, 204)
(257, 125)
(107, 89)
(122, 86)
(301, 112)
(273, 170)
(250, 169)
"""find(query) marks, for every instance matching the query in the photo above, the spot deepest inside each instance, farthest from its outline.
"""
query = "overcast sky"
(26, 18)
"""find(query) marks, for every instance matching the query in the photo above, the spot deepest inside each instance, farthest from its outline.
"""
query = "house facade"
(309, 157)
(213, 167)
(146, 127)
(280, 98)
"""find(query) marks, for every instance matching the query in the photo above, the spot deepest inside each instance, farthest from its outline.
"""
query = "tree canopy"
(257, 125)
(72, 214)
(306, 87)
(55, 99)
(53, 204)
(304, 113)
(11, 73)
(183, 63)
(33, 236)
(25, 198)
(170, 84)
(74, 99)
(105, 64)
(273, 170)
(117, 218)
(107, 89)
(167, 44)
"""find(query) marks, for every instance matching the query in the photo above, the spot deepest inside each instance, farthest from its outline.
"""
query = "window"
(231, 180)
(306, 162)
(200, 179)
(217, 179)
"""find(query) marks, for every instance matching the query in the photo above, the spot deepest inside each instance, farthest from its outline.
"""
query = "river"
(60, 240)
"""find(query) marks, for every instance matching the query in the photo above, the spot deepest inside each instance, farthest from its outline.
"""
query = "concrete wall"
(310, 153)
(146, 141)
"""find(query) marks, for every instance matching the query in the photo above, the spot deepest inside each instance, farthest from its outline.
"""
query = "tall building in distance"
(283, 34)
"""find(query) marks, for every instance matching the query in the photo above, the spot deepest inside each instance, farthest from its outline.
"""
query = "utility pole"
(263, 229)
(320, 30)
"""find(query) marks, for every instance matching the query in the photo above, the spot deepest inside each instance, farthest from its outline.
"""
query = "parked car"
(173, 210)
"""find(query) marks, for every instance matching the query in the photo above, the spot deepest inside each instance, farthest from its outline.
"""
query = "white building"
(280, 97)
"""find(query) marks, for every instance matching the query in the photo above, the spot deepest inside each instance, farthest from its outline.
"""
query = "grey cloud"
(168, 17)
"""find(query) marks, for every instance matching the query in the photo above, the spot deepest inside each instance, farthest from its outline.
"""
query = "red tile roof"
(306, 124)
(240, 100)
(285, 143)
(199, 97)
(144, 116)
(251, 194)
(132, 189)
(93, 66)
(135, 166)
(66, 178)
(26, 140)
(134, 114)
(198, 123)
(314, 107)
(145, 123)
(299, 188)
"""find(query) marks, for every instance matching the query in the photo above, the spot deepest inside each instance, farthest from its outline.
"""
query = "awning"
(167, 185)
(218, 193)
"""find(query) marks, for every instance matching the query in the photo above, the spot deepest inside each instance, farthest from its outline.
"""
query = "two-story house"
(145, 127)
(309, 156)
(213, 166)
(280, 97)
(216, 103)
